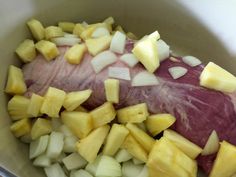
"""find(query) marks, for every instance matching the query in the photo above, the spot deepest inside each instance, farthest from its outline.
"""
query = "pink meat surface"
(199, 111)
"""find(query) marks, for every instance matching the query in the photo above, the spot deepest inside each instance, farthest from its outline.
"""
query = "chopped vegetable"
(81, 173)
(144, 78)
(35, 104)
(66, 41)
(15, 81)
(92, 167)
(26, 138)
(68, 35)
(69, 144)
(123, 155)
(56, 124)
(26, 51)
(118, 42)
(131, 170)
(87, 32)
(53, 31)
(163, 50)
(119, 73)
(21, 127)
(112, 90)
(65, 130)
(42, 161)
(131, 35)
(47, 49)
(81, 109)
(60, 158)
(38, 146)
(155, 35)
(129, 59)
(40, 127)
(120, 29)
(55, 145)
(177, 71)
(74, 161)
(75, 54)
(109, 20)
(36, 29)
(78, 29)
(212, 144)
(137, 162)
(144, 172)
(99, 32)
(191, 61)
(67, 26)
(54, 170)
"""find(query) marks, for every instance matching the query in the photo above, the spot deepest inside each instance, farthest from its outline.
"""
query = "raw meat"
(198, 110)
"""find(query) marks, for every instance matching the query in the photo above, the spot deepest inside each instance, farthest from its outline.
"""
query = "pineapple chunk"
(17, 107)
(189, 148)
(146, 52)
(15, 81)
(131, 35)
(112, 90)
(36, 29)
(156, 173)
(103, 114)
(134, 148)
(170, 160)
(80, 123)
(98, 25)
(67, 26)
(47, 49)
(21, 127)
(78, 29)
(81, 109)
(225, 163)
(215, 77)
(98, 45)
(53, 31)
(109, 20)
(26, 51)
(53, 101)
(75, 54)
(40, 127)
(115, 139)
(133, 114)
(119, 28)
(159, 122)
(90, 146)
(143, 138)
(86, 34)
(35, 104)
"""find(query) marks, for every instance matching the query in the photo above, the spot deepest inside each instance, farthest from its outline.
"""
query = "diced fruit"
(75, 54)
(92, 167)
(144, 78)
(41, 127)
(47, 49)
(108, 166)
(38, 146)
(120, 29)
(80, 123)
(26, 51)
(115, 139)
(69, 144)
(143, 138)
(166, 157)
(81, 109)
(21, 127)
(118, 42)
(36, 29)
(159, 122)
(74, 161)
(142, 126)
(56, 124)
(112, 89)
(66, 131)
(131, 35)
(67, 26)
(189, 148)
(26, 138)
(123, 155)
(53, 31)
(90, 146)
(217, 78)
(99, 32)
(103, 114)
(54, 170)
(137, 162)
(17, 107)
(131, 170)
(157, 173)
(135, 149)
(212, 144)
(42, 161)
(86, 33)
(81, 173)
(98, 25)
(225, 162)
(133, 114)
(55, 144)
(15, 81)
(98, 45)
(53, 101)
(35, 104)
(109, 20)
(75, 99)
(78, 29)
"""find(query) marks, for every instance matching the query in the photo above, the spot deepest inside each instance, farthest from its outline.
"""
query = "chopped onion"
(74, 161)
(119, 73)
(118, 42)
(212, 144)
(56, 124)
(65, 130)
(42, 161)
(54, 170)
(144, 78)
(174, 59)
(123, 155)
(68, 35)
(60, 158)
(191, 61)
(163, 50)
(69, 144)
(102, 60)
(129, 59)
(92, 167)
(99, 32)
(144, 172)
(81, 173)
(66, 41)
(108, 166)
(137, 162)
(38, 146)
(131, 170)
(177, 71)
(55, 145)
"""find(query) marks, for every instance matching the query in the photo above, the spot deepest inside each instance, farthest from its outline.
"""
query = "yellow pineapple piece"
(67, 26)
(47, 49)
(217, 78)
(26, 51)
(75, 99)
(17, 107)
(80, 123)
(103, 114)
(119, 28)
(36, 29)
(109, 20)
(89, 147)
(156, 173)
(53, 101)
(81, 109)
(98, 45)
(133, 114)
(75, 54)
(135, 149)
(15, 81)
(143, 138)
(189, 148)
(115, 139)
(41, 127)
(53, 31)
(86, 34)
(78, 29)
(159, 122)
(21, 127)
(112, 90)
(97, 25)
(35, 104)
(225, 163)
